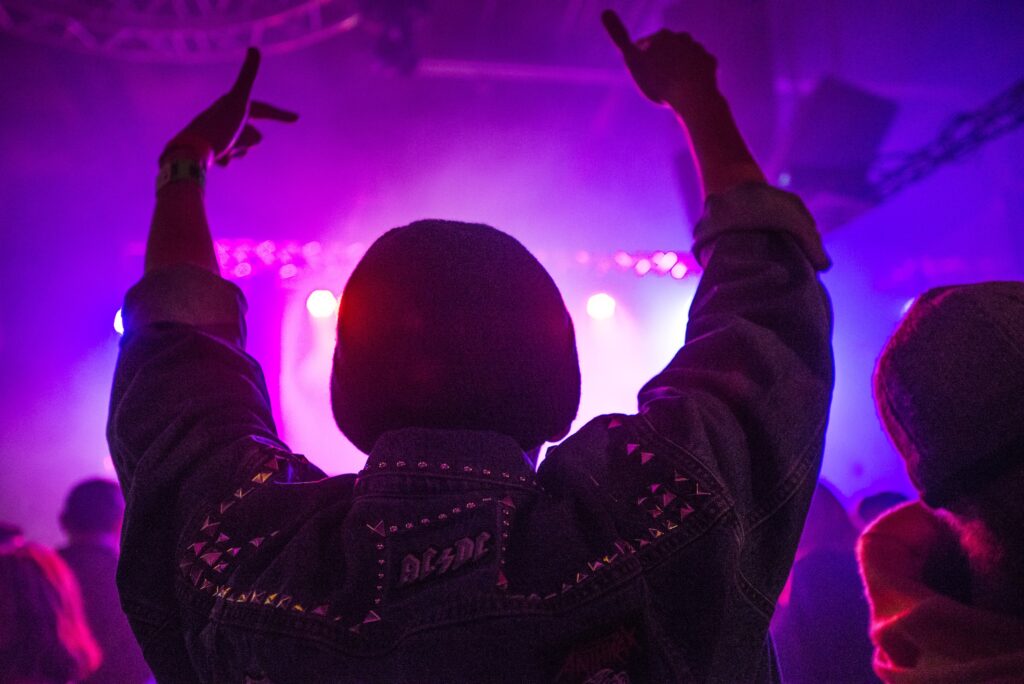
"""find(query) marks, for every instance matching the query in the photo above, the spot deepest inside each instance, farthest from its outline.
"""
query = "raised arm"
(190, 415)
(180, 233)
(730, 434)
(182, 321)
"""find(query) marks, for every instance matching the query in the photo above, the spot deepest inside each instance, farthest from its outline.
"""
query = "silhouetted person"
(10, 535)
(44, 638)
(646, 548)
(945, 574)
(871, 507)
(821, 632)
(92, 516)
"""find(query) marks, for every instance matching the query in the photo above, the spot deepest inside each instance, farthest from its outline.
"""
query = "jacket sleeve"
(189, 419)
(184, 389)
(748, 395)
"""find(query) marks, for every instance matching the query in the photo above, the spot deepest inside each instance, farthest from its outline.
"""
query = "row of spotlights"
(324, 304)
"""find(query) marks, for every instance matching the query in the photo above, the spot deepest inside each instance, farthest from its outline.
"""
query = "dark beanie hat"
(949, 386)
(454, 326)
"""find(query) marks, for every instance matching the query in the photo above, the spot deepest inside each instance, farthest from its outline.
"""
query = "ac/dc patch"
(464, 548)
(420, 566)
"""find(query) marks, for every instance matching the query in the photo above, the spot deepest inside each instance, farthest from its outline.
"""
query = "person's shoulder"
(590, 444)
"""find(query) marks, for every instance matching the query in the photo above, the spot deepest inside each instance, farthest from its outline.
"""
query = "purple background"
(557, 149)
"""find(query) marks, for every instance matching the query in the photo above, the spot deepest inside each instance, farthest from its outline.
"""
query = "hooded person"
(943, 574)
(455, 326)
(646, 547)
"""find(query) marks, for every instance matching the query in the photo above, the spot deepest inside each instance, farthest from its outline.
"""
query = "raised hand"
(669, 68)
(223, 131)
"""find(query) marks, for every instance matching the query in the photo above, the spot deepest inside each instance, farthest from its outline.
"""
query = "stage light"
(288, 271)
(312, 250)
(118, 323)
(679, 271)
(624, 260)
(601, 306)
(665, 260)
(642, 267)
(265, 251)
(321, 304)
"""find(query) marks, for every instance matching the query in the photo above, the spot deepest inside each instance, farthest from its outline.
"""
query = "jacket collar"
(464, 454)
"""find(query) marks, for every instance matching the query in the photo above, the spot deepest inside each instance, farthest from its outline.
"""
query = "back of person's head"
(871, 507)
(828, 526)
(948, 386)
(93, 506)
(10, 535)
(44, 636)
(453, 326)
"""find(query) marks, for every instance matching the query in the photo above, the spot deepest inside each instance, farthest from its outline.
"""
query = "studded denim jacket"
(646, 548)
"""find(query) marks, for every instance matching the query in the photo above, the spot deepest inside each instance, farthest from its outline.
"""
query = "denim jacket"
(646, 548)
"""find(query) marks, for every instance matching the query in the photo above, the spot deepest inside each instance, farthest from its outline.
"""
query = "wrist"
(186, 146)
(178, 170)
(695, 108)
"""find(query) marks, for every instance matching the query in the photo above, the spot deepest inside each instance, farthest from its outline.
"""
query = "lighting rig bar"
(963, 135)
(177, 30)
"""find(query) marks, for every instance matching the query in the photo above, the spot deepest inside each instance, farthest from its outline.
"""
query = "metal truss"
(177, 30)
(963, 135)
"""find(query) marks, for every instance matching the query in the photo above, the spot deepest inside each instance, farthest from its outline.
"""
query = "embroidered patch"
(605, 659)
(465, 546)
(417, 567)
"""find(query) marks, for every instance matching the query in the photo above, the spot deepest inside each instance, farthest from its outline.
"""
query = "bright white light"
(906, 306)
(321, 304)
(601, 306)
(118, 323)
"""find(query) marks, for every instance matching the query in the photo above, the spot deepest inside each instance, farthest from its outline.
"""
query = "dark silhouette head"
(870, 507)
(454, 326)
(93, 506)
(10, 535)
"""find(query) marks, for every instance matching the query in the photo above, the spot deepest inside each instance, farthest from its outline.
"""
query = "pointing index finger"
(247, 76)
(617, 30)
(262, 110)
